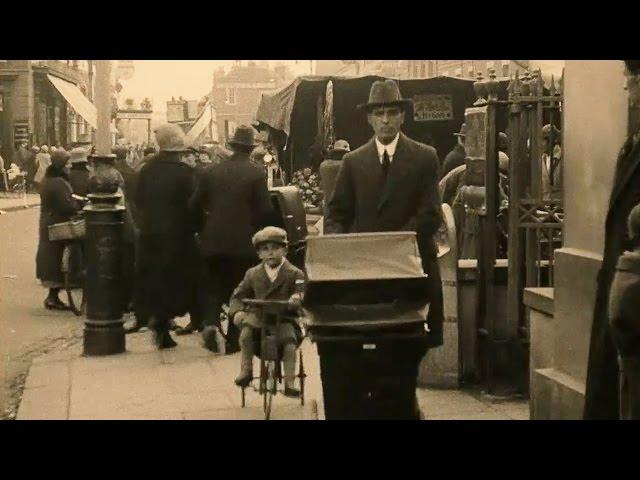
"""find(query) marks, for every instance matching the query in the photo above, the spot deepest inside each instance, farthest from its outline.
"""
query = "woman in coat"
(56, 205)
(168, 268)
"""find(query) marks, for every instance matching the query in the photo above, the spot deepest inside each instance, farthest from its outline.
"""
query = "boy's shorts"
(286, 332)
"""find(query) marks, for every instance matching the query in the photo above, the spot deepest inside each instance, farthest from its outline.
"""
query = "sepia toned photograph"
(420, 240)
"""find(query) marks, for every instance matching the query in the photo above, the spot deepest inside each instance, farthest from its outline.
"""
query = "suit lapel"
(397, 171)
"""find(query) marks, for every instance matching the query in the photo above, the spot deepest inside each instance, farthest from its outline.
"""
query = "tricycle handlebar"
(258, 303)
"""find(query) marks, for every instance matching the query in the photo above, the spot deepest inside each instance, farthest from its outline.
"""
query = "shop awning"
(207, 117)
(81, 104)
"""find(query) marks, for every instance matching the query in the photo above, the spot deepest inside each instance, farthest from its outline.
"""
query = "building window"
(415, 71)
(423, 69)
(231, 96)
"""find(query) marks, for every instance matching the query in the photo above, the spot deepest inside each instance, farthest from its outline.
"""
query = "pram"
(366, 305)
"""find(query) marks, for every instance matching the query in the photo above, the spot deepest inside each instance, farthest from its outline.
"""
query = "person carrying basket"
(273, 279)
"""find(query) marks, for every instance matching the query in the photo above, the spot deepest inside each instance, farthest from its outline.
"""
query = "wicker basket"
(71, 230)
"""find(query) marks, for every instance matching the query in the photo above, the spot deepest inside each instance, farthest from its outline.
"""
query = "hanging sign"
(429, 108)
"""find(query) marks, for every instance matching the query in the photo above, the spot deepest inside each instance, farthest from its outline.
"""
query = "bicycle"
(270, 356)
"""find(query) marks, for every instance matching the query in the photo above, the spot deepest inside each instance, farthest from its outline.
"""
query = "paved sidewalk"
(190, 383)
(187, 382)
(469, 405)
(9, 202)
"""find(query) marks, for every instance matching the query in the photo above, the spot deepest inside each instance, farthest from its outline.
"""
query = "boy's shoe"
(291, 392)
(244, 379)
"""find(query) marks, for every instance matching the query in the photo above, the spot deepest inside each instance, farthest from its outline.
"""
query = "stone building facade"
(33, 109)
(236, 95)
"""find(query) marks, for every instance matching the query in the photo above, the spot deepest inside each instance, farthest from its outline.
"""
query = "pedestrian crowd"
(194, 231)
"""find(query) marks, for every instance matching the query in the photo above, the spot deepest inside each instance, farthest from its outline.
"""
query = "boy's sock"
(289, 364)
(246, 358)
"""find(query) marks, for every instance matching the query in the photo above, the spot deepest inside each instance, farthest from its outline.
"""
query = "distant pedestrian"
(31, 166)
(43, 160)
(56, 205)
(330, 167)
(79, 174)
(456, 156)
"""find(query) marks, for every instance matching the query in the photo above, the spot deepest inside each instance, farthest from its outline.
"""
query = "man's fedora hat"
(170, 138)
(385, 93)
(463, 131)
(244, 136)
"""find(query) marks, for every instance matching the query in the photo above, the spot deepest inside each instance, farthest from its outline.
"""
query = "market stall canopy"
(81, 104)
(299, 111)
(207, 117)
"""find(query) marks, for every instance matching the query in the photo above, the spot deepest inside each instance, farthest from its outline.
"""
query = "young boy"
(624, 318)
(273, 279)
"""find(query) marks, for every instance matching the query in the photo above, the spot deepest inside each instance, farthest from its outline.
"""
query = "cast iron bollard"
(103, 331)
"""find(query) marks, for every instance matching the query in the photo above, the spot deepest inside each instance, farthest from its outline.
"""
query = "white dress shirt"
(391, 148)
(272, 273)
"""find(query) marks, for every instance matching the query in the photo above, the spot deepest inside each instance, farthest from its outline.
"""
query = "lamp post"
(103, 330)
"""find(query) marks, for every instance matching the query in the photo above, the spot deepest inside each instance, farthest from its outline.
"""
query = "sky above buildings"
(192, 79)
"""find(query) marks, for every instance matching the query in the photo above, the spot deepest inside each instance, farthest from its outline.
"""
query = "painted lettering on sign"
(428, 108)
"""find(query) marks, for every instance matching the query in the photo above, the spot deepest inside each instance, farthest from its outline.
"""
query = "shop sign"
(428, 108)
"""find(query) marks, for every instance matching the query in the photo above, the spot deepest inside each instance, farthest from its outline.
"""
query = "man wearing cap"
(167, 254)
(235, 198)
(455, 157)
(330, 167)
(391, 184)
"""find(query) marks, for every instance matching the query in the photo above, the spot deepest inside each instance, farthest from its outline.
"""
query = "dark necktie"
(385, 165)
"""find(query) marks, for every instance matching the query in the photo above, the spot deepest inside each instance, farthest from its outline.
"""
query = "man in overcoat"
(601, 395)
(234, 196)
(391, 184)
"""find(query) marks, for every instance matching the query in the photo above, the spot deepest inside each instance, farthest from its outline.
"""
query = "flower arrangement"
(308, 184)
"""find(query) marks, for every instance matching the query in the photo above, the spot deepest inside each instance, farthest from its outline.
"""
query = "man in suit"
(601, 394)
(235, 198)
(391, 184)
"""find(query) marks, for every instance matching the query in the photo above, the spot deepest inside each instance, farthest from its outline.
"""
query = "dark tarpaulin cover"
(363, 256)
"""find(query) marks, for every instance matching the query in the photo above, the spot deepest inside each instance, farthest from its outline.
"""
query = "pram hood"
(365, 280)
(363, 256)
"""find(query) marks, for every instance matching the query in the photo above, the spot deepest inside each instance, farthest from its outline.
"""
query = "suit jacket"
(256, 284)
(408, 201)
(601, 394)
(235, 197)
